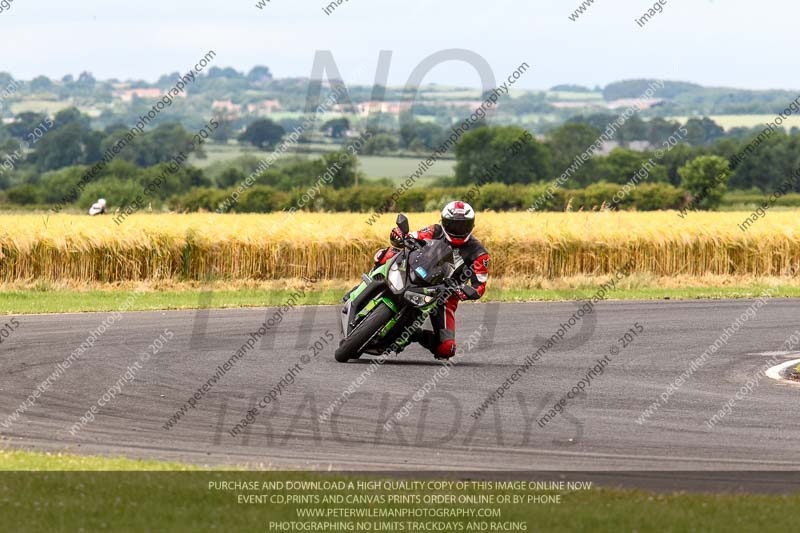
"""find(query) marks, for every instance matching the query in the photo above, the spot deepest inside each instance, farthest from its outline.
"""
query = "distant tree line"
(43, 172)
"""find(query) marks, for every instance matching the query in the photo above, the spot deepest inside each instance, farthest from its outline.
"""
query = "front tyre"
(351, 347)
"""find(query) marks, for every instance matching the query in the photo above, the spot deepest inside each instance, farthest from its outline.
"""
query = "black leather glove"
(467, 292)
(452, 283)
(396, 238)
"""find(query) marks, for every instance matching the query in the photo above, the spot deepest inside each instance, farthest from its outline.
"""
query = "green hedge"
(489, 197)
(752, 199)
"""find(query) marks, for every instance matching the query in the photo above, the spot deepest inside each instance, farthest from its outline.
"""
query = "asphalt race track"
(598, 431)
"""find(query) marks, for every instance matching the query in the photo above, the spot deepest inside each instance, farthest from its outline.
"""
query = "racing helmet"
(458, 221)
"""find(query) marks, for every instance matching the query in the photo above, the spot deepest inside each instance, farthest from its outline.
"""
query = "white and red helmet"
(458, 221)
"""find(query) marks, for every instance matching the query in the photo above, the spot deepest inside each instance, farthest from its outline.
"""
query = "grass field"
(18, 460)
(50, 107)
(535, 118)
(221, 153)
(337, 246)
(35, 297)
(393, 167)
(450, 93)
(21, 300)
(399, 168)
(42, 492)
(578, 96)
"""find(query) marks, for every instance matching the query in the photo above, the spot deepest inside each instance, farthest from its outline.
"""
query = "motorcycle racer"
(472, 266)
(98, 208)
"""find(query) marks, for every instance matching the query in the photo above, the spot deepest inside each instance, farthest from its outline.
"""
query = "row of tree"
(69, 146)
(415, 135)
(67, 140)
(681, 98)
(764, 164)
(702, 182)
(123, 184)
(85, 82)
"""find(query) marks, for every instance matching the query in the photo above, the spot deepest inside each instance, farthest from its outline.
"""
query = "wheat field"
(340, 246)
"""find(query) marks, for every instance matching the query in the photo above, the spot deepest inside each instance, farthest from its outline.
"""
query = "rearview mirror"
(402, 223)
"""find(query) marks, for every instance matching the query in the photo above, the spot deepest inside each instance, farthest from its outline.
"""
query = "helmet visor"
(458, 228)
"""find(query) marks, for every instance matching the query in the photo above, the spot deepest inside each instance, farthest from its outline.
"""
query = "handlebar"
(411, 243)
(451, 283)
(448, 285)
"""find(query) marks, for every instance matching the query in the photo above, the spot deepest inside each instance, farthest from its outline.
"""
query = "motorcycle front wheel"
(351, 347)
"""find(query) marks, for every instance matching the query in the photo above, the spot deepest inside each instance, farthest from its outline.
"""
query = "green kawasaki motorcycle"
(392, 302)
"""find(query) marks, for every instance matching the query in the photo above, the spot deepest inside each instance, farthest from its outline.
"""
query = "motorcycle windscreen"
(431, 264)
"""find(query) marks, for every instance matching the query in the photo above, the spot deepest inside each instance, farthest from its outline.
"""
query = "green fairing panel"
(382, 270)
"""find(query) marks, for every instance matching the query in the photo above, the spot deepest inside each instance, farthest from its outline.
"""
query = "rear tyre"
(351, 347)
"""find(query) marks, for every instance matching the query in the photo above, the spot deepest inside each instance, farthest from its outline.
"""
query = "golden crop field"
(728, 122)
(341, 246)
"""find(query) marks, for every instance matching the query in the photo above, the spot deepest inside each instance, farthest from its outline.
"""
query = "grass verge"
(18, 460)
(38, 298)
(181, 500)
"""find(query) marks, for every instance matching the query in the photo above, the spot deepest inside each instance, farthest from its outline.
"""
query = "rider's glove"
(396, 238)
(452, 284)
(461, 290)
(467, 292)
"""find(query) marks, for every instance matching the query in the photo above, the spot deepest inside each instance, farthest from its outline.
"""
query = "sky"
(733, 43)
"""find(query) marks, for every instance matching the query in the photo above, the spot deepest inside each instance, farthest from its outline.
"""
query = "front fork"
(403, 341)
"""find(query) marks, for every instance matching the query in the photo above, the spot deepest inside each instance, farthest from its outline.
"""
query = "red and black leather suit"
(441, 341)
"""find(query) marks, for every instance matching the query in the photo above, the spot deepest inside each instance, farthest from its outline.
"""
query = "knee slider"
(446, 349)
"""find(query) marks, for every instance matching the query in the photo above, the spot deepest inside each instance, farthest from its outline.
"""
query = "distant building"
(395, 108)
(643, 103)
(264, 107)
(343, 108)
(640, 146)
(468, 104)
(227, 107)
(127, 95)
(636, 146)
(392, 108)
(574, 104)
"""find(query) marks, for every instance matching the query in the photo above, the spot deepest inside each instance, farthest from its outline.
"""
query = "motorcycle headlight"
(395, 279)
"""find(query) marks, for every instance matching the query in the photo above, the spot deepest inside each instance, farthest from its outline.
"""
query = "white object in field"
(99, 207)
